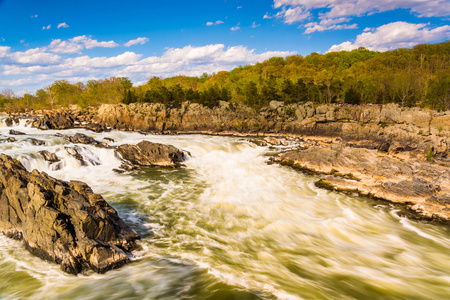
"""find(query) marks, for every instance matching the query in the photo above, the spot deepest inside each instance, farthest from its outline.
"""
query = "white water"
(230, 225)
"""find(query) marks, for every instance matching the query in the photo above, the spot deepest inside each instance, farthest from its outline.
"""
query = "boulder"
(80, 138)
(63, 222)
(152, 154)
(49, 156)
(36, 142)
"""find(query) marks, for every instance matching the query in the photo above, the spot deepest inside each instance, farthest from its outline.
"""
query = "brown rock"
(64, 222)
(152, 154)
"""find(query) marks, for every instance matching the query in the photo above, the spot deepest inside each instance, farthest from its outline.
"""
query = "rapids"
(229, 226)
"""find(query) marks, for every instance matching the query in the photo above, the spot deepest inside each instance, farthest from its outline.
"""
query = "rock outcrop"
(423, 185)
(152, 154)
(54, 120)
(64, 222)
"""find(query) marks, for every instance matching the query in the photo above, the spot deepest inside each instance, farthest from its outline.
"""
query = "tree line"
(419, 76)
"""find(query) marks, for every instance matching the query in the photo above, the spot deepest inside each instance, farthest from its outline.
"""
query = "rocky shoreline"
(63, 222)
(66, 222)
(400, 155)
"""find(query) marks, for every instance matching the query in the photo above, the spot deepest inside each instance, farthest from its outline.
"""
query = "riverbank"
(396, 154)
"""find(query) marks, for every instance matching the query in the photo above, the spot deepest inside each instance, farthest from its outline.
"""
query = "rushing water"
(230, 226)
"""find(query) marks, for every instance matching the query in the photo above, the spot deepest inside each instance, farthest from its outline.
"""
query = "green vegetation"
(408, 77)
(430, 155)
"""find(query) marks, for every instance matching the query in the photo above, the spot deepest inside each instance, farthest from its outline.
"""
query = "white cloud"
(395, 35)
(34, 16)
(267, 16)
(4, 50)
(296, 14)
(254, 25)
(139, 40)
(46, 27)
(235, 28)
(329, 24)
(193, 61)
(31, 57)
(344, 8)
(239, 7)
(218, 22)
(77, 44)
(294, 11)
(63, 25)
(38, 67)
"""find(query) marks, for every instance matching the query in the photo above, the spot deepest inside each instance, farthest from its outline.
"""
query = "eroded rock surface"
(152, 154)
(423, 185)
(64, 222)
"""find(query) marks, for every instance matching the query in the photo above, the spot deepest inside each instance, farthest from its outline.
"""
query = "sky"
(48, 40)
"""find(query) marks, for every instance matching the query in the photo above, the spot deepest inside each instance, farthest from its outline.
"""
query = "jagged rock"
(80, 138)
(127, 167)
(380, 175)
(260, 143)
(276, 141)
(14, 132)
(152, 154)
(58, 120)
(74, 153)
(36, 142)
(109, 140)
(49, 156)
(10, 121)
(96, 127)
(63, 222)
(54, 120)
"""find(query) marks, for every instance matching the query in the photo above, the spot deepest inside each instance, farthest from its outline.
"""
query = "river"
(229, 226)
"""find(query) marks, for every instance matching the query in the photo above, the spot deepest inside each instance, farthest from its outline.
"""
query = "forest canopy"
(410, 77)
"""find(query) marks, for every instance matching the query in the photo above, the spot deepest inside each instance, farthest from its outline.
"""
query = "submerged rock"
(152, 154)
(36, 142)
(63, 222)
(15, 132)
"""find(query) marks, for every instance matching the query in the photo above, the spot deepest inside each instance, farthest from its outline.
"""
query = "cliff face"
(386, 127)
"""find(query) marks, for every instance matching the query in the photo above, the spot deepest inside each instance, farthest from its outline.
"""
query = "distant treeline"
(410, 77)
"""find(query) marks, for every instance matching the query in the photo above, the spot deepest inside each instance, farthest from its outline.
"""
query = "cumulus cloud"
(30, 57)
(63, 25)
(139, 40)
(193, 61)
(329, 24)
(294, 11)
(77, 44)
(4, 50)
(46, 27)
(35, 68)
(235, 28)
(345, 8)
(395, 35)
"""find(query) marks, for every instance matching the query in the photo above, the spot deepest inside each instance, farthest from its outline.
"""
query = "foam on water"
(229, 223)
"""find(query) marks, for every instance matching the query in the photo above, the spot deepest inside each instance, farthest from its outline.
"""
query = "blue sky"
(48, 40)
